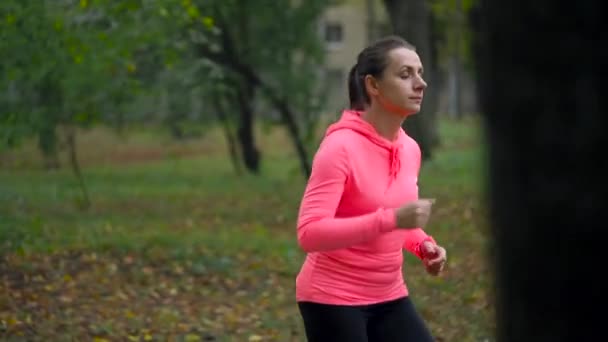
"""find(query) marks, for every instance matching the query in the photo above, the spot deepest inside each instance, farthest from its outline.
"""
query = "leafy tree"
(73, 64)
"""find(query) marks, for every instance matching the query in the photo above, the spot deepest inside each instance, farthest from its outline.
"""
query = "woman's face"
(401, 84)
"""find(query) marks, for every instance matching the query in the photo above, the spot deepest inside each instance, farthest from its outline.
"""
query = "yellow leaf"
(129, 314)
(193, 12)
(10, 19)
(58, 25)
(131, 68)
(67, 278)
(255, 338)
(84, 3)
(208, 22)
(192, 338)
(133, 338)
(12, 321)
(147, 337)
(100, 339)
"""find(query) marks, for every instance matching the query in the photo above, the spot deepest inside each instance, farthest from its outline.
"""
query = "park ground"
(177, 247)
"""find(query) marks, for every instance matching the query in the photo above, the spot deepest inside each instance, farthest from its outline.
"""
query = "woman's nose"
(420, 84)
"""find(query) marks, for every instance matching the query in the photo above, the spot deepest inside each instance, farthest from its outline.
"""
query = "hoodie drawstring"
(395, 161)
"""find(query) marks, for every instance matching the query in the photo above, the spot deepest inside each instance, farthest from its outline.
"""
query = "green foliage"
(85, 62)
(452, 27)
(61, 68)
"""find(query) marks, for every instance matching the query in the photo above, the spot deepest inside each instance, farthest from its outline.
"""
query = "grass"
(176, 247)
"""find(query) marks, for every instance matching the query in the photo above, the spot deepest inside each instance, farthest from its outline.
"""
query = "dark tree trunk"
(85, 202)
(48, 145)
(289, 120)
(254, 80)
(251, 81)
(49, 97)
(251, 155)
(411, 20)
(541, 66)
(225, 120)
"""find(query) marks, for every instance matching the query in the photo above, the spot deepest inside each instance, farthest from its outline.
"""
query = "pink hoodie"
(346, 222)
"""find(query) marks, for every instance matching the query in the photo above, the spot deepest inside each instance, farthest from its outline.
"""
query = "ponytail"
(355, 94)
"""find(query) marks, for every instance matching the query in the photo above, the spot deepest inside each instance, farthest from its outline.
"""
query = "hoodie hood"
(352, 120)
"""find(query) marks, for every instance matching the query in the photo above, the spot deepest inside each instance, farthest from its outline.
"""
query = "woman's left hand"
(433, 257)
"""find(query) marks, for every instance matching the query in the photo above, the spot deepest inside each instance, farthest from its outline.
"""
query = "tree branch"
(246, 71)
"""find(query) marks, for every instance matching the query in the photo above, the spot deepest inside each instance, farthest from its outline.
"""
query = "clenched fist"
(433, 257)
(414, 214)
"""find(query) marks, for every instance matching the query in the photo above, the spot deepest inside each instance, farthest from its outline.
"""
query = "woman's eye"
(405, 75)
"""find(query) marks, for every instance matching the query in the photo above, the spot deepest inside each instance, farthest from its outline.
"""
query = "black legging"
(395, 320)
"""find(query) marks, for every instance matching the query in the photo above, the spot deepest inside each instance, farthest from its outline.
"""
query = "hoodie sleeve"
(415, 237)
(318, 228)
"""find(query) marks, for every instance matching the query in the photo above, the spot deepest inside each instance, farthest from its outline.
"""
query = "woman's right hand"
(414, 214)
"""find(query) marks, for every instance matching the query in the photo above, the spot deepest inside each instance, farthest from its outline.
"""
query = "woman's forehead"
(402, 57)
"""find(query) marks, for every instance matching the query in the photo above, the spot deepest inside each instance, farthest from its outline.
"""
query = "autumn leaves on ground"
(176, 247)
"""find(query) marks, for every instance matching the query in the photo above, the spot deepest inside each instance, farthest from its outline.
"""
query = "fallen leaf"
(192, 338)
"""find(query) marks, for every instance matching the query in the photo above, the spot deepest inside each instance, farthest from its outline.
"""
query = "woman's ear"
(371, 85)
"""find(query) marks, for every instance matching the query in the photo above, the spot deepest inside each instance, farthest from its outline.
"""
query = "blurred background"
(153, 154)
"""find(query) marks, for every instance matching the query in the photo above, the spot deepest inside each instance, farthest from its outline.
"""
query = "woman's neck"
(386, 124)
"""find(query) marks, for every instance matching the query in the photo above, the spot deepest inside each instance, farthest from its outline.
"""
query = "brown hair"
(371, 61)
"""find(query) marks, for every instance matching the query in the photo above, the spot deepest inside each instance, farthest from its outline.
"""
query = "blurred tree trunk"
(455, 87)
(371, 21)
(85, 201)
(236, 45)
(48, 145)
(456, 68)
(50, 97)
(411, 19)
(219, 101)
(289, 120)
(540, 75)
(251, 155)
(250, 81)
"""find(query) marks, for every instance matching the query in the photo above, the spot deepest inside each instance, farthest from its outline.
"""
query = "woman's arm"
(414, 239)
(318, 228)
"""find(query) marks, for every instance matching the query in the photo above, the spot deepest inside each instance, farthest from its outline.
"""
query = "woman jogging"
(360, 209)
